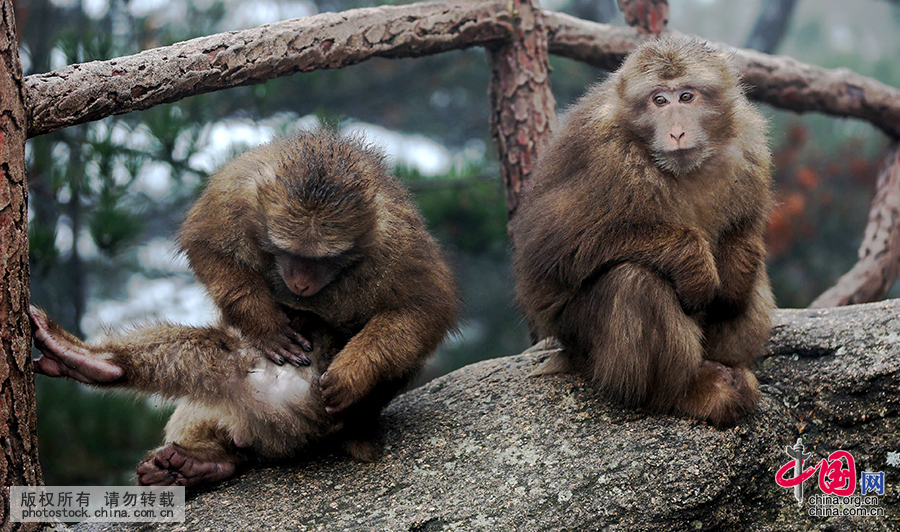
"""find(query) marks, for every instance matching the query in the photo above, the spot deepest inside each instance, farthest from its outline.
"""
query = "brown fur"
(315, 254)
(640, 244)
(319, 213)
(234, 403)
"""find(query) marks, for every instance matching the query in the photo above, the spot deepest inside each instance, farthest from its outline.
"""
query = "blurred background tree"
(106, 197)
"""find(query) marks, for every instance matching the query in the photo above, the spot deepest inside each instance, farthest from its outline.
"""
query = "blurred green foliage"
(93, 199)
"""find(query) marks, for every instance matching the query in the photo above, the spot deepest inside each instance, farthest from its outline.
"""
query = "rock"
(491, 448)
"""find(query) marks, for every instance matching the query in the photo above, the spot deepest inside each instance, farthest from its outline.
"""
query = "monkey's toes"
(62, 358)
(173, 466)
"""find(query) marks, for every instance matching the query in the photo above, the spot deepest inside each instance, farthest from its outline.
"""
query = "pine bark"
(91, 91)
(879, 255)
(523, 109)
(18, 428)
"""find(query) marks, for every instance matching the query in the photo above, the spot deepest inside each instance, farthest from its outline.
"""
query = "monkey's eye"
(686, 97)
(659, 99)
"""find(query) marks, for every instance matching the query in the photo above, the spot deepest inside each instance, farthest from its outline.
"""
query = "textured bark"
(879, 255)
(18, 437)
(90, 91)
(776, 80)
(523, 109)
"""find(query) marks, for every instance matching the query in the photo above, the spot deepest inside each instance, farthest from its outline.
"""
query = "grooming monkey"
(640, 245)
(315, 255)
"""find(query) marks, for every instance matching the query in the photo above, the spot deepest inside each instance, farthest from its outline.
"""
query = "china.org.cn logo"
(837, 482)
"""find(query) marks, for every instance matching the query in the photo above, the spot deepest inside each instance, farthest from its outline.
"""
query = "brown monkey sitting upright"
(640, 245)
(306, 238)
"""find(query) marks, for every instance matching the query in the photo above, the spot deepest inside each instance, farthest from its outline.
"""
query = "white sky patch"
(179, 300)
(143, 8)
(427, 156)
(86, 246)
(155, 180)
(163, 254)
(58, 59)
(221, 138)
(64, 238)
(243, 15)
(95, 9)
(841, 38)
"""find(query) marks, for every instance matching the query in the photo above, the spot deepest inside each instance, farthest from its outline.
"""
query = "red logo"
(837, 473)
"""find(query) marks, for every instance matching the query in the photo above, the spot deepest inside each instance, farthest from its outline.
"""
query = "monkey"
(235, 404)
(316, 223)
(303, 241)
(640, 242)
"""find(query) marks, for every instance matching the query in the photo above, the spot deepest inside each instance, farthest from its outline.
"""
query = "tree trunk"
(523, 109)
(18, 438)
(879, 255)
(771, 25)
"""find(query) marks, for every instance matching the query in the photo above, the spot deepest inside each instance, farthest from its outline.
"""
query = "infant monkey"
(316, 255)
(234, 405)
(640, 245)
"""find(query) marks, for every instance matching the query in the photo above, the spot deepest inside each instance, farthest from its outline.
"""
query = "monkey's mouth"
(682, 153)
(680, 161)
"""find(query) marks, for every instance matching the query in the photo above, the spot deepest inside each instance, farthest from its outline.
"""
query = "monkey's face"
(678, 139)
(306, 276)
(311, 246)
(678, 98)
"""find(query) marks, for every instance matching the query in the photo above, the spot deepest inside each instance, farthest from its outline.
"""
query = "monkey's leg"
(643, 350)
(628, 333)
(732, 345)
(206, 364)
(200, 450)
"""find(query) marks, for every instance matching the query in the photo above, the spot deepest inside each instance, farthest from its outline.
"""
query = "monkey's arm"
(677, 252)
(740, 255)
(392, 345)
(247, 303)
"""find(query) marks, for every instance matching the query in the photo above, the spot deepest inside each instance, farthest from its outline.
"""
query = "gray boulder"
(491, 448)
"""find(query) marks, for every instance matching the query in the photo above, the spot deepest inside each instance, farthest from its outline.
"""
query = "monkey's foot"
(362, 450)
(173, 466)
(721, 394)
(63, 357)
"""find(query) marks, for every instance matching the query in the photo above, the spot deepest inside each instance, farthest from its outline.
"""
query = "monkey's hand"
(282, 343)
(696, 278)
(66, 356)
(342, 386)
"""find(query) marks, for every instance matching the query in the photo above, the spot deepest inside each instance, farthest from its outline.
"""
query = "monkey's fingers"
(280, 354)
(337, 393)
(300, 340)
(64, 359)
